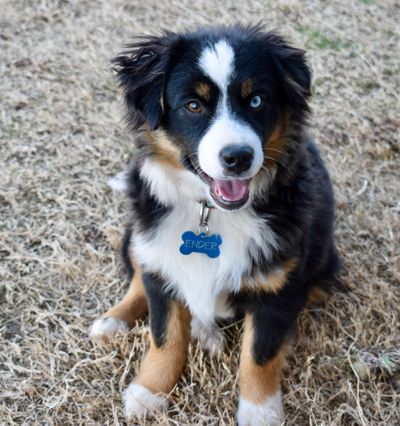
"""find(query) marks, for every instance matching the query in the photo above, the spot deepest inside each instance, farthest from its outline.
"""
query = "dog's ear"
(293, 72)
(141, 72)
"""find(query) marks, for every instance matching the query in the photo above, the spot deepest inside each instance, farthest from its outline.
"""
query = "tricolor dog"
(231, 207)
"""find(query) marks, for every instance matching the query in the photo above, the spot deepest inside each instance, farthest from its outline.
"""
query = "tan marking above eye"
(203, 90)
(247, 88)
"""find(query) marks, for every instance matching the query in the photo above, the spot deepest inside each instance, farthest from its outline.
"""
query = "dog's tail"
(119, 182)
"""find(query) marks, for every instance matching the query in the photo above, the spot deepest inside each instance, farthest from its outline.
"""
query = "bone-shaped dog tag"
(201, 243)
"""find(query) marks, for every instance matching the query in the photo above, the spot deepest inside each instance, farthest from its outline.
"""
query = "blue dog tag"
(201, 243)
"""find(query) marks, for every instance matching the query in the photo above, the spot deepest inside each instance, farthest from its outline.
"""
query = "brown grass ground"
(62, 137)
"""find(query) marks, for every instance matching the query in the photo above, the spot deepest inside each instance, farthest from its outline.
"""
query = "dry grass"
(62, 137)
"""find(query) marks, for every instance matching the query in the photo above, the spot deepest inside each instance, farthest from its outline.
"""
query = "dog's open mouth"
(230, 194)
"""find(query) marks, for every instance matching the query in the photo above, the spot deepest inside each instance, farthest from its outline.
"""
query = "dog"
(232, 208)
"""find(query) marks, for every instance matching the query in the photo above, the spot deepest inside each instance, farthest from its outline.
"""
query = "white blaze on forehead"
(217, 63)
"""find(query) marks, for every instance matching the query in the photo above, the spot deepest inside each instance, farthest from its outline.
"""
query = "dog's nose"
(236, 158)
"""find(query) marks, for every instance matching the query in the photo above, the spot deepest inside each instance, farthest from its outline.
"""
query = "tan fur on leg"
(163, 365)
(317, 296)
(257, 382)
(122, 316)
(134, 304)
(260, 401)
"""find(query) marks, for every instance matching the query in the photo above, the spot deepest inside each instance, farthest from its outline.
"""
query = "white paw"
(268, 413)
(139, 400)
(107, 327)
(210, 338)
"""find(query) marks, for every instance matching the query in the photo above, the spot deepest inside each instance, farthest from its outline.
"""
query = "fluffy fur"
(221, 115)
(269, 412)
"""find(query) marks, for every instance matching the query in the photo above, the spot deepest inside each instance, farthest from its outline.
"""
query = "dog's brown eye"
(194, 106)
(255, 102)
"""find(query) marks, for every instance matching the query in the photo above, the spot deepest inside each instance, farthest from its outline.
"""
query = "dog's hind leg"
(122, 317)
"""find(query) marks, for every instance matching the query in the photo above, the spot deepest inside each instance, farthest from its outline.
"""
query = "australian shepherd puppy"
(232, 207)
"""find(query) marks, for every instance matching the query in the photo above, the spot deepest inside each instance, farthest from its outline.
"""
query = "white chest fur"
(199, 281)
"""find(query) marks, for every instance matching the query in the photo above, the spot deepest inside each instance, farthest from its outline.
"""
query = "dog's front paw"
(209, 338)
(138, 400)
(268, 413)
(106, 328)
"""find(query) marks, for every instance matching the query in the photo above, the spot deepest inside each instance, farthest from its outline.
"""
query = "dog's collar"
(205, 208)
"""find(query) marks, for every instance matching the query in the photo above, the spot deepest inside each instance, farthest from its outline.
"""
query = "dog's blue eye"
(194, 106)
(255, 102)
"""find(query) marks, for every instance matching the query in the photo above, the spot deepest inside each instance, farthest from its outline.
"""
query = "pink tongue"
(230, 190)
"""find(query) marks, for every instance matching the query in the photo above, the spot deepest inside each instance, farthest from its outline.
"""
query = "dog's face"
(224, 98)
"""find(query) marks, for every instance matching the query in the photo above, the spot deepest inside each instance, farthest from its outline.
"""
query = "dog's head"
(223, 99)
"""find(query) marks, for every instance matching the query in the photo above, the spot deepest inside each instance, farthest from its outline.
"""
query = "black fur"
(126, 258)
(159, 306)
(298, 205)
(141, 72)
(274, 315)
(147, 210)
(151, 70)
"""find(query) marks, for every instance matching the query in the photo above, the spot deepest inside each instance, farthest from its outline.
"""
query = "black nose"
(236, 158)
